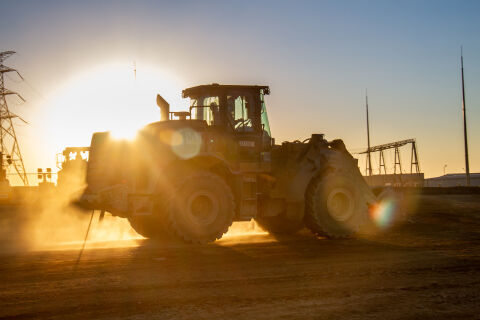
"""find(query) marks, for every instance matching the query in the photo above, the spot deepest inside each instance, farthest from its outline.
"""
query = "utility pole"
(9, 148)
(467, 166)
(135, 70)
(369, 161)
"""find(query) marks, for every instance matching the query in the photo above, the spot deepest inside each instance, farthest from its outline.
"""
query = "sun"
(110, 97)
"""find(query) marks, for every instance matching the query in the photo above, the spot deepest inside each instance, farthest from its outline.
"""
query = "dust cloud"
(47, 219)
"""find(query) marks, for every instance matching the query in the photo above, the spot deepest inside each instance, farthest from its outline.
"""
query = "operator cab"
(237, 109)
(232, 118)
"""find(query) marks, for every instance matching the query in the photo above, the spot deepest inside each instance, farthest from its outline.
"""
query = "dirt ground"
(427, 266)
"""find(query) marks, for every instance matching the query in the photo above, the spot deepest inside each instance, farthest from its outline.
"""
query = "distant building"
(396, 180)
(453, 180)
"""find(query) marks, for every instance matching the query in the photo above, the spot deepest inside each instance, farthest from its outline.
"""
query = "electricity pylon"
(10, 155)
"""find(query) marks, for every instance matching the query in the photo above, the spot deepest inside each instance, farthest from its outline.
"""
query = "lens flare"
(186, 143)
(383, 212)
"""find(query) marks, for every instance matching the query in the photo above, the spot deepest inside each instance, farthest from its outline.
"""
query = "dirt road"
(428, 267)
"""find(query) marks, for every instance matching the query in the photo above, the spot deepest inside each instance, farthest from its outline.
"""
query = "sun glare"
(127, 133)
(111, 97)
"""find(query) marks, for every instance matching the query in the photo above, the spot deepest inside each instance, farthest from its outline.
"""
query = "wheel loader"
(194, 173)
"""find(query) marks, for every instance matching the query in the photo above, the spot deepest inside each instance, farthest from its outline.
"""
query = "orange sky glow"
(79, 66)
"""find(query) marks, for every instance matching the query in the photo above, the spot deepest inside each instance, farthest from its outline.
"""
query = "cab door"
(241, 111)
(242, 117)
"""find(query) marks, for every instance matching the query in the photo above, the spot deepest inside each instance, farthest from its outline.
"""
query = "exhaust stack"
(164, 108)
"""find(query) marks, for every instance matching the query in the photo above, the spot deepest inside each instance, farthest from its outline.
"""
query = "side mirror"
(164, 108)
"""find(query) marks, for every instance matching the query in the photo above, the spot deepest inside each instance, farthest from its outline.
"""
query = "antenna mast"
(369, 161)
(135, 70)
(467, 166)
(9, 148)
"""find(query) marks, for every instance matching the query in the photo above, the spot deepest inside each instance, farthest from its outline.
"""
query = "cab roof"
(215, 87)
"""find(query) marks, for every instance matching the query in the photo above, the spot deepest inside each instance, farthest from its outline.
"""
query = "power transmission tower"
(414, 163)
(10, 155)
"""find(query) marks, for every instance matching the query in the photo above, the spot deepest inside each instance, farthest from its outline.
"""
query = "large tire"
(335, 206)
(201, 208)
(153, 226)
(279, 225)
(147, 226)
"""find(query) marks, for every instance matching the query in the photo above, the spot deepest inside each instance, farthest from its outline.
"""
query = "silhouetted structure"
(395, 145)
(9, 148)
(395, 179)
(369, 160)
(467, 165)
(72, 163)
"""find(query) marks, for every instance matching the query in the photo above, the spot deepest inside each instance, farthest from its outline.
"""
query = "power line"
(25, 79)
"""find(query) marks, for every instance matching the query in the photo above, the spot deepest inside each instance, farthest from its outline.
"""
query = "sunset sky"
(318, 57)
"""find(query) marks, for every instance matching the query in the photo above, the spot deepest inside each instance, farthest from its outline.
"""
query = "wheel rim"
(202, 208)
(340, 204)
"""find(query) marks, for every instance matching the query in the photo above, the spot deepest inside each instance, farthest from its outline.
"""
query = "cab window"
(205, 108)
(264, 117)
(240, 112)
